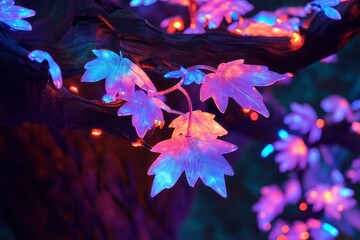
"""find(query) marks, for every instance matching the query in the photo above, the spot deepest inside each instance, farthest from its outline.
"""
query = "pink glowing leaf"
(354, 172)
(338, 109)
(201, 122)
(293, 152)
(292, 190)
(145, 111)
(199, 158)
(54, 69)
(237, 80)
(121, 74)
(271, 204)
(303, 119)
(12, 15)
(213, 12)
(333, 199)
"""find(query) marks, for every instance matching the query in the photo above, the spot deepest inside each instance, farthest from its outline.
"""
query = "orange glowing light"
(320, 123)
(303, 206)
(340, 207)
(278, 20)
(245, 110)
(285, 229)
(138, 143)
(281, 237)
(238, 31)
(289, 74)
(313, 194)
(254, 116)
(74, 89)
(96, 132)
(177, 24)
(296, 40)
(299, 148)
(328, 196)
(158, 123)
(305, 235)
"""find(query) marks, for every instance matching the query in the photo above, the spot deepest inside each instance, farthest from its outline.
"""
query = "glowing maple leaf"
(201, 122)
(145, 111)
(121, 74)
(237, 80)
(198, 157)
(12, 15)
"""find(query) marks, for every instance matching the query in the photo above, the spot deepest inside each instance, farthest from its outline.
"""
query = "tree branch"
(70, 35)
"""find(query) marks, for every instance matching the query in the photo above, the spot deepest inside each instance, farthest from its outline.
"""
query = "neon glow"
(54, 69)
(267, 150)
(330, 229)
(96, 132)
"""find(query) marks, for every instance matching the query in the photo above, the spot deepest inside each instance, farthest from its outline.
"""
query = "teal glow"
(267, 150)
(330, 229)
(283, 134)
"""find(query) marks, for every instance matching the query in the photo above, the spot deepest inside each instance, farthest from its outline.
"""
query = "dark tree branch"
(70, 35)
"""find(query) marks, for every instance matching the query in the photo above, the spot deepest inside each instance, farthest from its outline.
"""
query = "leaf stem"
(166, 91)
(202, 67)
(188, 99)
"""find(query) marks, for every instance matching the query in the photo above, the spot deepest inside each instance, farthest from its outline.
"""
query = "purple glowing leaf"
(278, 228)
(354, 172)
(121, 74)
(12, 15)
(292, 191)
(199, 158)
(293, 152)
(190, 77)
(237, 80)
(330, 59)
(271, 204)
(54, 69)
(297, 230)
(338, 108)
(333, 199)
(213, 12)
(304, 119)
(337, 177)
(201, 122)
(145, 111)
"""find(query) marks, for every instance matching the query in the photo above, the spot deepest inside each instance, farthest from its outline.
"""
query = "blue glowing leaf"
(12, 15)
(201, 122)
(199, 158)
(237, 80)
(121, 74)
(54, 69)
(136, 3)
(190, 77)
(331, 13)
(145, 111)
